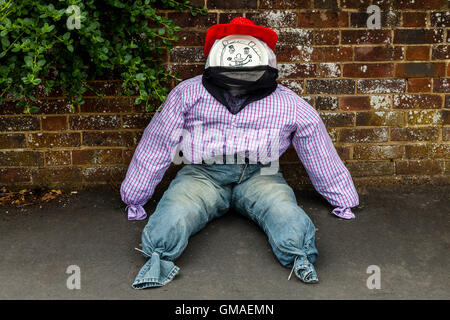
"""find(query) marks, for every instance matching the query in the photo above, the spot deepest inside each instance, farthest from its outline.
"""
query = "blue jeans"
(201, 192)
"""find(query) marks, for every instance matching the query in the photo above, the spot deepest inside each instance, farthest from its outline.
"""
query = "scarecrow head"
(241, 65)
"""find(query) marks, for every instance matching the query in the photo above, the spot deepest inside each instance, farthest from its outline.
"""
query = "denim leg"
(192, 200)
(270, 202)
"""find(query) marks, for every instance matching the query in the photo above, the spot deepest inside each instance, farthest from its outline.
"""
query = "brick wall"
(384, 95)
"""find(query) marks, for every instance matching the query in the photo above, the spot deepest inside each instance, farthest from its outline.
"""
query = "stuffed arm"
(327, 172)
(153, 155)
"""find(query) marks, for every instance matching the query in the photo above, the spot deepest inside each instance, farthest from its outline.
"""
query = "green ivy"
(41, 44)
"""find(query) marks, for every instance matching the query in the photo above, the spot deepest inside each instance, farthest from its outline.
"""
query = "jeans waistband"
(231, 159)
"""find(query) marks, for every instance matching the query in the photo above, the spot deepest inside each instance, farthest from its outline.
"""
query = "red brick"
(363, 135)
(427, 151)
(424, 117)
(354, 103)
(51, 176)
(418, 36)
(97, 122)
(414, 19)
(370, 70)
(187, 55)
(416, 85)
(12, 141)
(127, 156)
(343, 152)
(327, 103)
(328, 70)
(107, 105)
(355, 4)
(136, 121)
(295, 37)
(10, 107)
(441, 52)
(378, 53)
(54, 123)
(384, 152)
(420, 69)
(107, 88)
(224, 17)
(338, 86)
(52, 140)
(104, 174)
(14, 175)
(446, 134)
(440, 19)
(53, 106)
(415, 134)
(21, 158)
(380, 118)
(417, 53)
(441, 85)
(297, 70)
(365, 36)
(425, 166)
(332, 54)
(325, 37)
(191, 38)
(381, 85)
(376, 168)
(21, 123)
(419, 4)
(183, 19)
(325, 4)
(232, 4)
(58, 158)
(420, 101)
(284, 4)
(39, 91)
(294, 85)
(275, 19)
(334, 119)
(186, 71)
(97, 156)
(323, 19)
(109, 139)
(445, 114)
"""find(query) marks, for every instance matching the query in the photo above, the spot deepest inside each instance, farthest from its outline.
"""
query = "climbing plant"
(65, 43)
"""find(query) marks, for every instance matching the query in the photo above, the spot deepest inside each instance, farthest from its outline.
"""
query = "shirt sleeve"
(326, 170)
(153, 155)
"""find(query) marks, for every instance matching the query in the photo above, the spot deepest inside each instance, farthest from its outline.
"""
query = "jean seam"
(153, 282)
(271, 237)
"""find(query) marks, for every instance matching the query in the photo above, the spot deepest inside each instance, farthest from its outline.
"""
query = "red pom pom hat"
(239, 25)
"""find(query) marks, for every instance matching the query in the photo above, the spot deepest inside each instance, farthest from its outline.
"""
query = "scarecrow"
(231, 125)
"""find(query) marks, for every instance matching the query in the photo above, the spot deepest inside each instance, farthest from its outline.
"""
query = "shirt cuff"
(136, 212)
(344, 213)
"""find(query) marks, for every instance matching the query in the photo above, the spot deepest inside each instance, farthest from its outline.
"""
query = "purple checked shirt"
(190, 108)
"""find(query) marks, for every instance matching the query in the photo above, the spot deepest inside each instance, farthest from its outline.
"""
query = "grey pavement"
(404, 231)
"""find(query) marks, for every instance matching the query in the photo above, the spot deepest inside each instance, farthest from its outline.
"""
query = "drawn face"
(238, 51)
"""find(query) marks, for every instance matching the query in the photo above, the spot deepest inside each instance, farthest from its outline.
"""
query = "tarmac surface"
(403, 231)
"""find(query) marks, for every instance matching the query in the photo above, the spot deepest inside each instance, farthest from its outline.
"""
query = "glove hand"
(136, 212)
(344, 213)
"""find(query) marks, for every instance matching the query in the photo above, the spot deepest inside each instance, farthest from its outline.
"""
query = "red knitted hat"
(239, 25)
